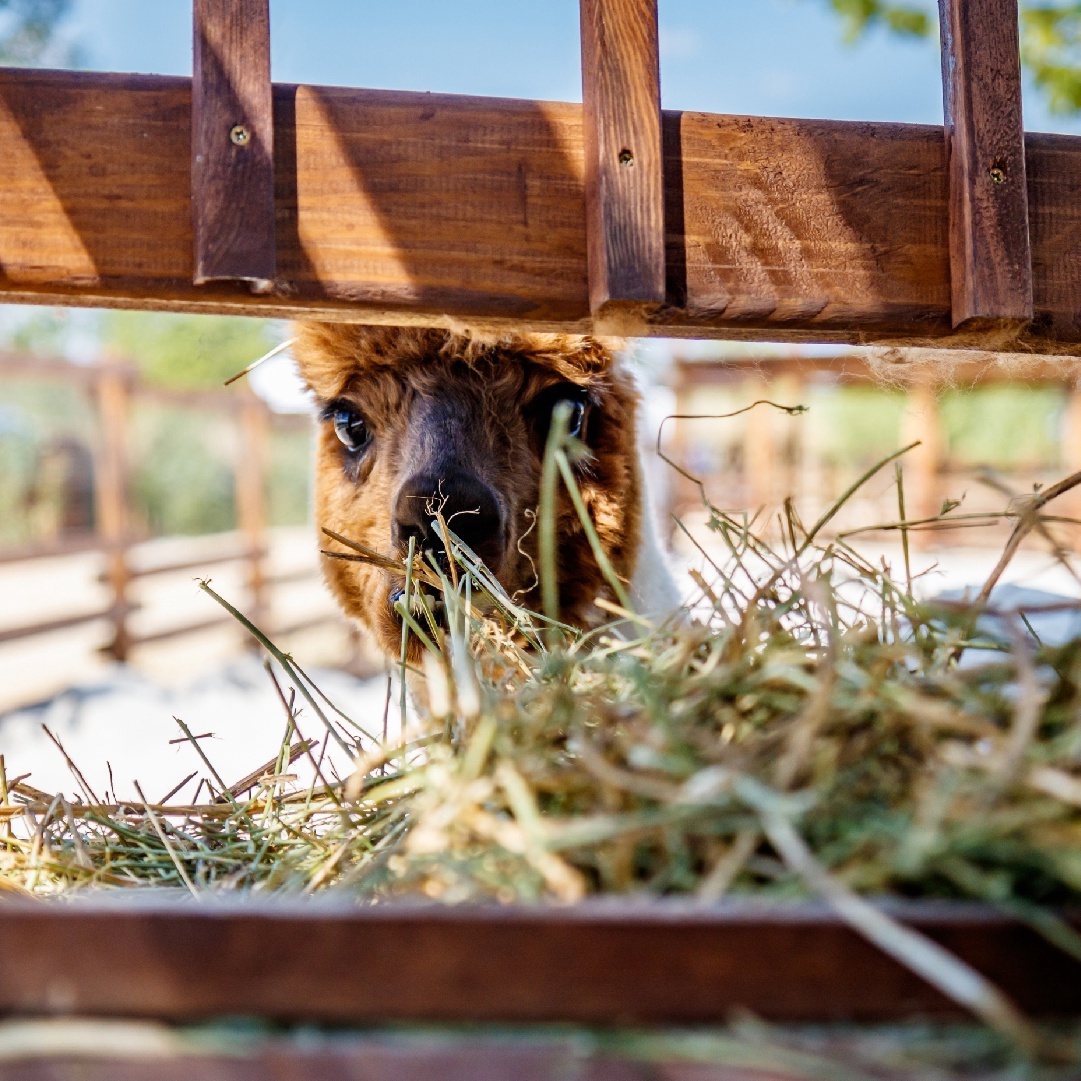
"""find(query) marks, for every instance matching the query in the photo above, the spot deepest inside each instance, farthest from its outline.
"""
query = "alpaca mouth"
(432, 602)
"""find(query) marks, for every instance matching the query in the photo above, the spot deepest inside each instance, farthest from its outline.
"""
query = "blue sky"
(770, 57)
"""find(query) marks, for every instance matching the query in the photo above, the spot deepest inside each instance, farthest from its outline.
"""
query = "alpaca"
(411, 418)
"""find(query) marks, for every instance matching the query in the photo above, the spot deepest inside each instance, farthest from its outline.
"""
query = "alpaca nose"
(470, 508)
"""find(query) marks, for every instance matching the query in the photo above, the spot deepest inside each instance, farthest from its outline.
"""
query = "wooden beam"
(250, 470)
(990, 260)
(232, 144)
(112, 497)
(614, 961)
(853, 368)
(51, 626)
(624, 165)
(418, 208)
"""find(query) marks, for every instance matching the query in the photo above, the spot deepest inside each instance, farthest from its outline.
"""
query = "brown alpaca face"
(415, 421)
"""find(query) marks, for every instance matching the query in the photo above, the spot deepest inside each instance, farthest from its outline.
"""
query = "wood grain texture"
(424, 208)
(232, 143)
(624, 178)
(990, 258)
(602, 963)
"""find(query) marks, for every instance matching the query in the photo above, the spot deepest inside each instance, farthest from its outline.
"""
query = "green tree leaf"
(187, 350)
(859, 16)
(28, 29)
(1051, 49)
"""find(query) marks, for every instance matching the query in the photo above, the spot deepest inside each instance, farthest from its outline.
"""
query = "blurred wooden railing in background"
(113, 389)
(762, 457)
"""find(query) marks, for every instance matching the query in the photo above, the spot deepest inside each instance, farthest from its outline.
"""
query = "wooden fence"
(773, 457)
(114, 390)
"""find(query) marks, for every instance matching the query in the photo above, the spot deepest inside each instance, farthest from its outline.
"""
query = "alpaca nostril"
(470, 508)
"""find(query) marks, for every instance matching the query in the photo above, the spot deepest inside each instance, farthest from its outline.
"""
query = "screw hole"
(997, 174)
(240, 136)
(626, 158)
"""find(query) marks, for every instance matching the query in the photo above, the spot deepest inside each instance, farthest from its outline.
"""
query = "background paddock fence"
(756, 460)
(114, 393)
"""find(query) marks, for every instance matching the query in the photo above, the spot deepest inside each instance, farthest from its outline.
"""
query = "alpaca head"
(412, 421)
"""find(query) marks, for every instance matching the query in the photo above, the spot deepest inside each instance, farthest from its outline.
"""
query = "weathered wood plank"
(232, 149)
(400, 207)
(603, 963)
(990, 258)
(624, 166)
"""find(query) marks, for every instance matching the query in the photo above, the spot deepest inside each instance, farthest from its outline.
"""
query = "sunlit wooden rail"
(412, 207)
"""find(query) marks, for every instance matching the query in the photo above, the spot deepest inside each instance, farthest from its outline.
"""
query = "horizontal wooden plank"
(597, 963)
(51, 626)
(409, 207)
(966, 370)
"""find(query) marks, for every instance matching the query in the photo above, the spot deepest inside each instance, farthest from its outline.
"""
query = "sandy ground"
(121, 717)
(121, 727)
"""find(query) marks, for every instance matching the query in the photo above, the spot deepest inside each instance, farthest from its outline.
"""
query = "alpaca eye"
(577, 419)
(575, 397)
(351, 428)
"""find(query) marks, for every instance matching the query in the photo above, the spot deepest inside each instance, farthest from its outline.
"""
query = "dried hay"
(805, 729)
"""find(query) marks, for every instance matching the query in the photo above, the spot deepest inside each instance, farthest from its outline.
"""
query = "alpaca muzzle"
(472, 511)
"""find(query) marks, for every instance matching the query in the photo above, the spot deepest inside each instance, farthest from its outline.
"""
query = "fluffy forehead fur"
(333, 355)
(436, 395)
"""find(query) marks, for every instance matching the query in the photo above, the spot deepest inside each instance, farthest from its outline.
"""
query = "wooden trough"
(227, 194)
(596, 963)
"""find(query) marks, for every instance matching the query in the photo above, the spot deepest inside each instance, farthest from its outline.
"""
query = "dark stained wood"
(990, 259)
(409, 207)
(602, 963)
(624, 165)
(232, 144)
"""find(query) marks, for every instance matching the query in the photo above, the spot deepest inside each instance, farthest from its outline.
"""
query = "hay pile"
(807, 728)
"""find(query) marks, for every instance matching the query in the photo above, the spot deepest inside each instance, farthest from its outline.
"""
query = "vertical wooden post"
(790, 390)
(251, 486)
(760, 448)
(990, 256)
(922, 421)
(232, 144)
(111, 497)
(624, 163)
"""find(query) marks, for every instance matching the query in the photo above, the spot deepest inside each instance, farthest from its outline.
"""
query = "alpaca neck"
(654, 591)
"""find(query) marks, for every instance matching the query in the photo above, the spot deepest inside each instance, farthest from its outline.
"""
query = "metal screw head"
(626, 158)
(997, 174)
(240, 136)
